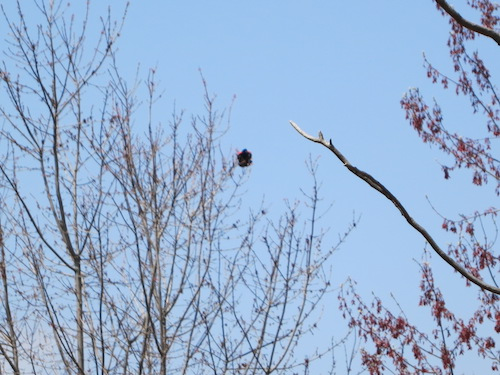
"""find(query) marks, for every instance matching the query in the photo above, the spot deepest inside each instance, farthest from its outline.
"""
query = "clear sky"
(336, 66)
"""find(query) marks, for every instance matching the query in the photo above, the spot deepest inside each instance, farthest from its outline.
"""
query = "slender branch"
(468, 24)
(383, 190)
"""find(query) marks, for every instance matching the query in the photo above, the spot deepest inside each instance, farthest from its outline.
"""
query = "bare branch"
(468, 24)
(383, 190)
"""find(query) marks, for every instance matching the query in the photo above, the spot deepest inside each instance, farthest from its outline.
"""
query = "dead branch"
(375, 184)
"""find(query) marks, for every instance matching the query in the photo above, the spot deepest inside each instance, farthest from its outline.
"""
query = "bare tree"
(122, 245)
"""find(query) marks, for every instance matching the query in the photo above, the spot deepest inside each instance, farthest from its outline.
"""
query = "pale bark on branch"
(375, 184)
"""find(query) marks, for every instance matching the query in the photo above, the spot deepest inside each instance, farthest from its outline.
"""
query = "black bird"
(244, 158)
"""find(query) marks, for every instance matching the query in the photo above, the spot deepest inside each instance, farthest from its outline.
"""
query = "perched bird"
(244, 158)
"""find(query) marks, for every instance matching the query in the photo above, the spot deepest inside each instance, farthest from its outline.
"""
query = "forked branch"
(374, 183)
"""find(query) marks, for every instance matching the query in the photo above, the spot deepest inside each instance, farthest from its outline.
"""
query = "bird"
(244, 158)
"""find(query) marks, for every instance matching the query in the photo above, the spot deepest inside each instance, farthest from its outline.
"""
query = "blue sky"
(340, 67)
(336, 66)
